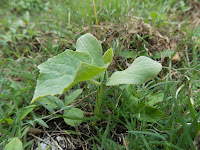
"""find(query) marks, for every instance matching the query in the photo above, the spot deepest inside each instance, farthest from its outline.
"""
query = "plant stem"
(100, 92)
(95, 12)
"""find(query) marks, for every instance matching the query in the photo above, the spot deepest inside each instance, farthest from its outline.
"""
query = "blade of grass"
(95, 12)
(185, 128)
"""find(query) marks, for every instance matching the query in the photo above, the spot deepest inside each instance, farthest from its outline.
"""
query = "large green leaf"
(61, 72)
(140, 71)
(14, 144)
(89, 44)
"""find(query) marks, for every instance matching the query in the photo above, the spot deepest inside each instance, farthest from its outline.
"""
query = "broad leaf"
(14, 144)
(108, 56)
(140, 71)
(73, 113)
(89, 44)
(60, 73)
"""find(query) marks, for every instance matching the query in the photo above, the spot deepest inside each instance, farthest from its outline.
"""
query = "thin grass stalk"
(95, 12)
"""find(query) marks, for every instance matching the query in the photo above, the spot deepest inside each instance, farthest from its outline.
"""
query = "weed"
(60, 73)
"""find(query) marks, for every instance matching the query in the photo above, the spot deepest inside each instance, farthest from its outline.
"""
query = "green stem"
(100, 92)
(95, 82)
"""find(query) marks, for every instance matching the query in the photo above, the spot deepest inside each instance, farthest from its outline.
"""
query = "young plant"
(87, 63)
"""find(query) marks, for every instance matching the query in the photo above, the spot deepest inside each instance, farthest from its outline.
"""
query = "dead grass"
(194, 13)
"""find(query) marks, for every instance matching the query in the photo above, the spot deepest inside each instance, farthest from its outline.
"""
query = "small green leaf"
(73, 113)
(51, 101)
(154, 15)
(72, 96)
(108, 56)
(150, 114)
(155, 98)
(163, 53)
(60, 73)
(16, 86)
(128, 54)
(41, 122)
(89, 44)
(24, 133)
(140, 71)
(7, 120)
(14, 144)
(25, 111)
(147, 113)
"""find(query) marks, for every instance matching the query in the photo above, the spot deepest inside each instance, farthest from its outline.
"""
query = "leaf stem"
(95, 82)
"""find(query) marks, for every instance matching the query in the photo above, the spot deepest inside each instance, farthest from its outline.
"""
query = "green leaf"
(71, 97)
(128, 54)
(155, 98)
(148, 133)
(89, 44)
(51, 101)
(41, 122)
(60, 73)
(140, 71)
(25, 111)
(163, 53)
(14, 144)
(154, 15)
(147, 113)
(73, 113)
(7, 120)
(108, 56)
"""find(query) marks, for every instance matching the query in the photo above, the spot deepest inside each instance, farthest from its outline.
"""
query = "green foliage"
(163, 53)
(142, 104)
(51, 102)
(91, 46)
(147, 113)
(73, 114)
(14, 144)
(23, 5)
(60, 73)
(23, 112)
(71, 97)
(108, 56)
(140, 71)
(32, 31)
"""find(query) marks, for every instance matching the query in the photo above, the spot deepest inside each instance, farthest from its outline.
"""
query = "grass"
(33, 31)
